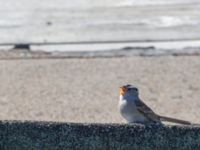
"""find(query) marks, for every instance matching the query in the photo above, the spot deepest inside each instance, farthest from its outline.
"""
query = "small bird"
(136, 111)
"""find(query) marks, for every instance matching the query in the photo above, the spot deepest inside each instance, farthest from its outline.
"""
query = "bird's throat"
(129, 98)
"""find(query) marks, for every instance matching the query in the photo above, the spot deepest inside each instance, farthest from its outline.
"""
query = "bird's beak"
(122, 90)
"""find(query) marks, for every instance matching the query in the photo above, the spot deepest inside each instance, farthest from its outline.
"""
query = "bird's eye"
(135, 89)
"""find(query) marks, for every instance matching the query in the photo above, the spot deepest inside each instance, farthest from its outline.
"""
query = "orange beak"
(122, 90)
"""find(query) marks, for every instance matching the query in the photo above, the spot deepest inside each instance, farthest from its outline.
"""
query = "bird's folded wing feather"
(146, 111)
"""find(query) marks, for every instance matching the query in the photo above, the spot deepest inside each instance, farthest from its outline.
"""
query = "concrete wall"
(57, 136)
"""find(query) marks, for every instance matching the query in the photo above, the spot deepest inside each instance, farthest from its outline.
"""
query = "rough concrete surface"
(87, 90)
(68, 136)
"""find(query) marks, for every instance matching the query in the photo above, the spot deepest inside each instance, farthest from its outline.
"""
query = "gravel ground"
(87, 90)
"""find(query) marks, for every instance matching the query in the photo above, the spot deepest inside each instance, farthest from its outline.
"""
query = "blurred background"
(106, 21)
(107, 42)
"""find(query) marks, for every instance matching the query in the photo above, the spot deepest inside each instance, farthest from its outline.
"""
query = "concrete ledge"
(16, 135)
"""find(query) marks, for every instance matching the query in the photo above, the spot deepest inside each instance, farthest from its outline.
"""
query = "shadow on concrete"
(18, 135)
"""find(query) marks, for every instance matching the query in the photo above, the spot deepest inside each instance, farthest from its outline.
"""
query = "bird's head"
(129, 91)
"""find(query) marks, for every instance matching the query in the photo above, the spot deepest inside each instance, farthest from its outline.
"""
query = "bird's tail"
(173, 120)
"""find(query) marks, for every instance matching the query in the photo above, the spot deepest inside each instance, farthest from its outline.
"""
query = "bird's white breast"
(129, 111)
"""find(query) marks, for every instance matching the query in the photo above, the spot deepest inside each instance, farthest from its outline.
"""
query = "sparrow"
(134, 110)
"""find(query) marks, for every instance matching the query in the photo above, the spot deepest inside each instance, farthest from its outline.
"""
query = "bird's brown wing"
(146, 111)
